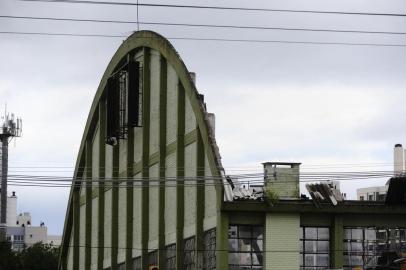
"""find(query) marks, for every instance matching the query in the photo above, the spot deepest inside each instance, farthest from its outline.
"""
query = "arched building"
(147, 129)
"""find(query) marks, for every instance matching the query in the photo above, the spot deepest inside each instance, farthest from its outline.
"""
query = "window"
(245, 245)
(367, 247)
(153, 258)
(124, 101)
(314, 248)
(209, 256)
(189, 254)
(121, 266)
(137, 263)
(361, 198)
(371, 197)
(171, 257)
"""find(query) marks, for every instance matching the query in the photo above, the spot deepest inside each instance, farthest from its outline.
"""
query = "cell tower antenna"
(10, 127)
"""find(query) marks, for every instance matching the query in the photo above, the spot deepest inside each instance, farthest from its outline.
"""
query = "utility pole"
(9, 129)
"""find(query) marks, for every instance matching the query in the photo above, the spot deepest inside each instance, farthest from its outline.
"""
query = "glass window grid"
(137, 263)
(249, 236)
(364, 245)
(209, 257)
(320, 239)
(153, 258)
(171, 257)
(189, 253)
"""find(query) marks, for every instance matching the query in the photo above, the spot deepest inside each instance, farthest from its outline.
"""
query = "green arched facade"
(119, 215)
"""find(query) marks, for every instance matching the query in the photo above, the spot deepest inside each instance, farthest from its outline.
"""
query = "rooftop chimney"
(282, 179)
(399, 161)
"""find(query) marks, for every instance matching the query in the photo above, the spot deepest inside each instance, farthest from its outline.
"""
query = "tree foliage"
(36, 257)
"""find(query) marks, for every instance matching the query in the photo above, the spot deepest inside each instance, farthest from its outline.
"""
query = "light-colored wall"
(172, 105)
(154, 105)
(153, 207)
(137, 217)
(210, 207)
(122, 215)
(371, 191)
(170, 200)
(190, 190)
(35, 234)
(282, 234)
(107, 227)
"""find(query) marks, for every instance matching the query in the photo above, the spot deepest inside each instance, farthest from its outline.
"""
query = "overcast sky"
(342, 107)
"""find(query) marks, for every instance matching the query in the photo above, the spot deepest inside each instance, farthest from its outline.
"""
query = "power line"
(219, 8)
(205, 25)
(215, 39)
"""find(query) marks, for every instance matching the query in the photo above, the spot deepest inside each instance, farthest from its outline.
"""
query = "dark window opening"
(137, 263)
(153, 259)
(209, 256)
(124, 101)
(171, 257)
(189, 253)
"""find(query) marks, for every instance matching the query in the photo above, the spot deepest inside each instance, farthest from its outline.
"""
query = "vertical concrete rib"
(102, 173)
(200, 199)
(76, 219)
(162, 161)
(129, 173)
(145, 157)
(130, 200)
(88, 205)
(337, 242)
(114, 207)
(180, 157)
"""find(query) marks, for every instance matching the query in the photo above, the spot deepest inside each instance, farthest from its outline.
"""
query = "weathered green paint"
(88, 207)
(180, 167)
(102, 173)
(191, 137)
(114, 208)
(154, 159)
(139, 40)
(299, 206)
(171, 148)
(76, 227)
(222, 241)
(130, 201)
(337, 242)
(145, 158)
(200, 198)
(162, 162)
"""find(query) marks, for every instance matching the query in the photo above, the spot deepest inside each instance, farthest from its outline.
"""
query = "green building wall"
(114, 222)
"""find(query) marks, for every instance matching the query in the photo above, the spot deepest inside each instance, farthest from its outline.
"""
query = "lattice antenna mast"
(10, 127)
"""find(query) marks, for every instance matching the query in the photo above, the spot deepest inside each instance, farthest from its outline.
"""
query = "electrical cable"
(219, 7)
(216, 39)
(204, 25)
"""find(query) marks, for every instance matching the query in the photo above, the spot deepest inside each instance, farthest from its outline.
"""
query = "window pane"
(356, 234)
(356, 246)
(311, 233)
(310, 259)
(257, 245)
(233, 244)
(244, 245)
(232, 232)
(370, 234)
(310, 246)
(257, 258)
(258, 232)
(323, 260)
(244, 231)
(323, 234)
(323, 246)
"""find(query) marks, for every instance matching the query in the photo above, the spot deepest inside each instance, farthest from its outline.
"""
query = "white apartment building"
(378, 193)
(20, 230)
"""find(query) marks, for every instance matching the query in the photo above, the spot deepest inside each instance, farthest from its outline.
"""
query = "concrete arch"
(145, 39)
